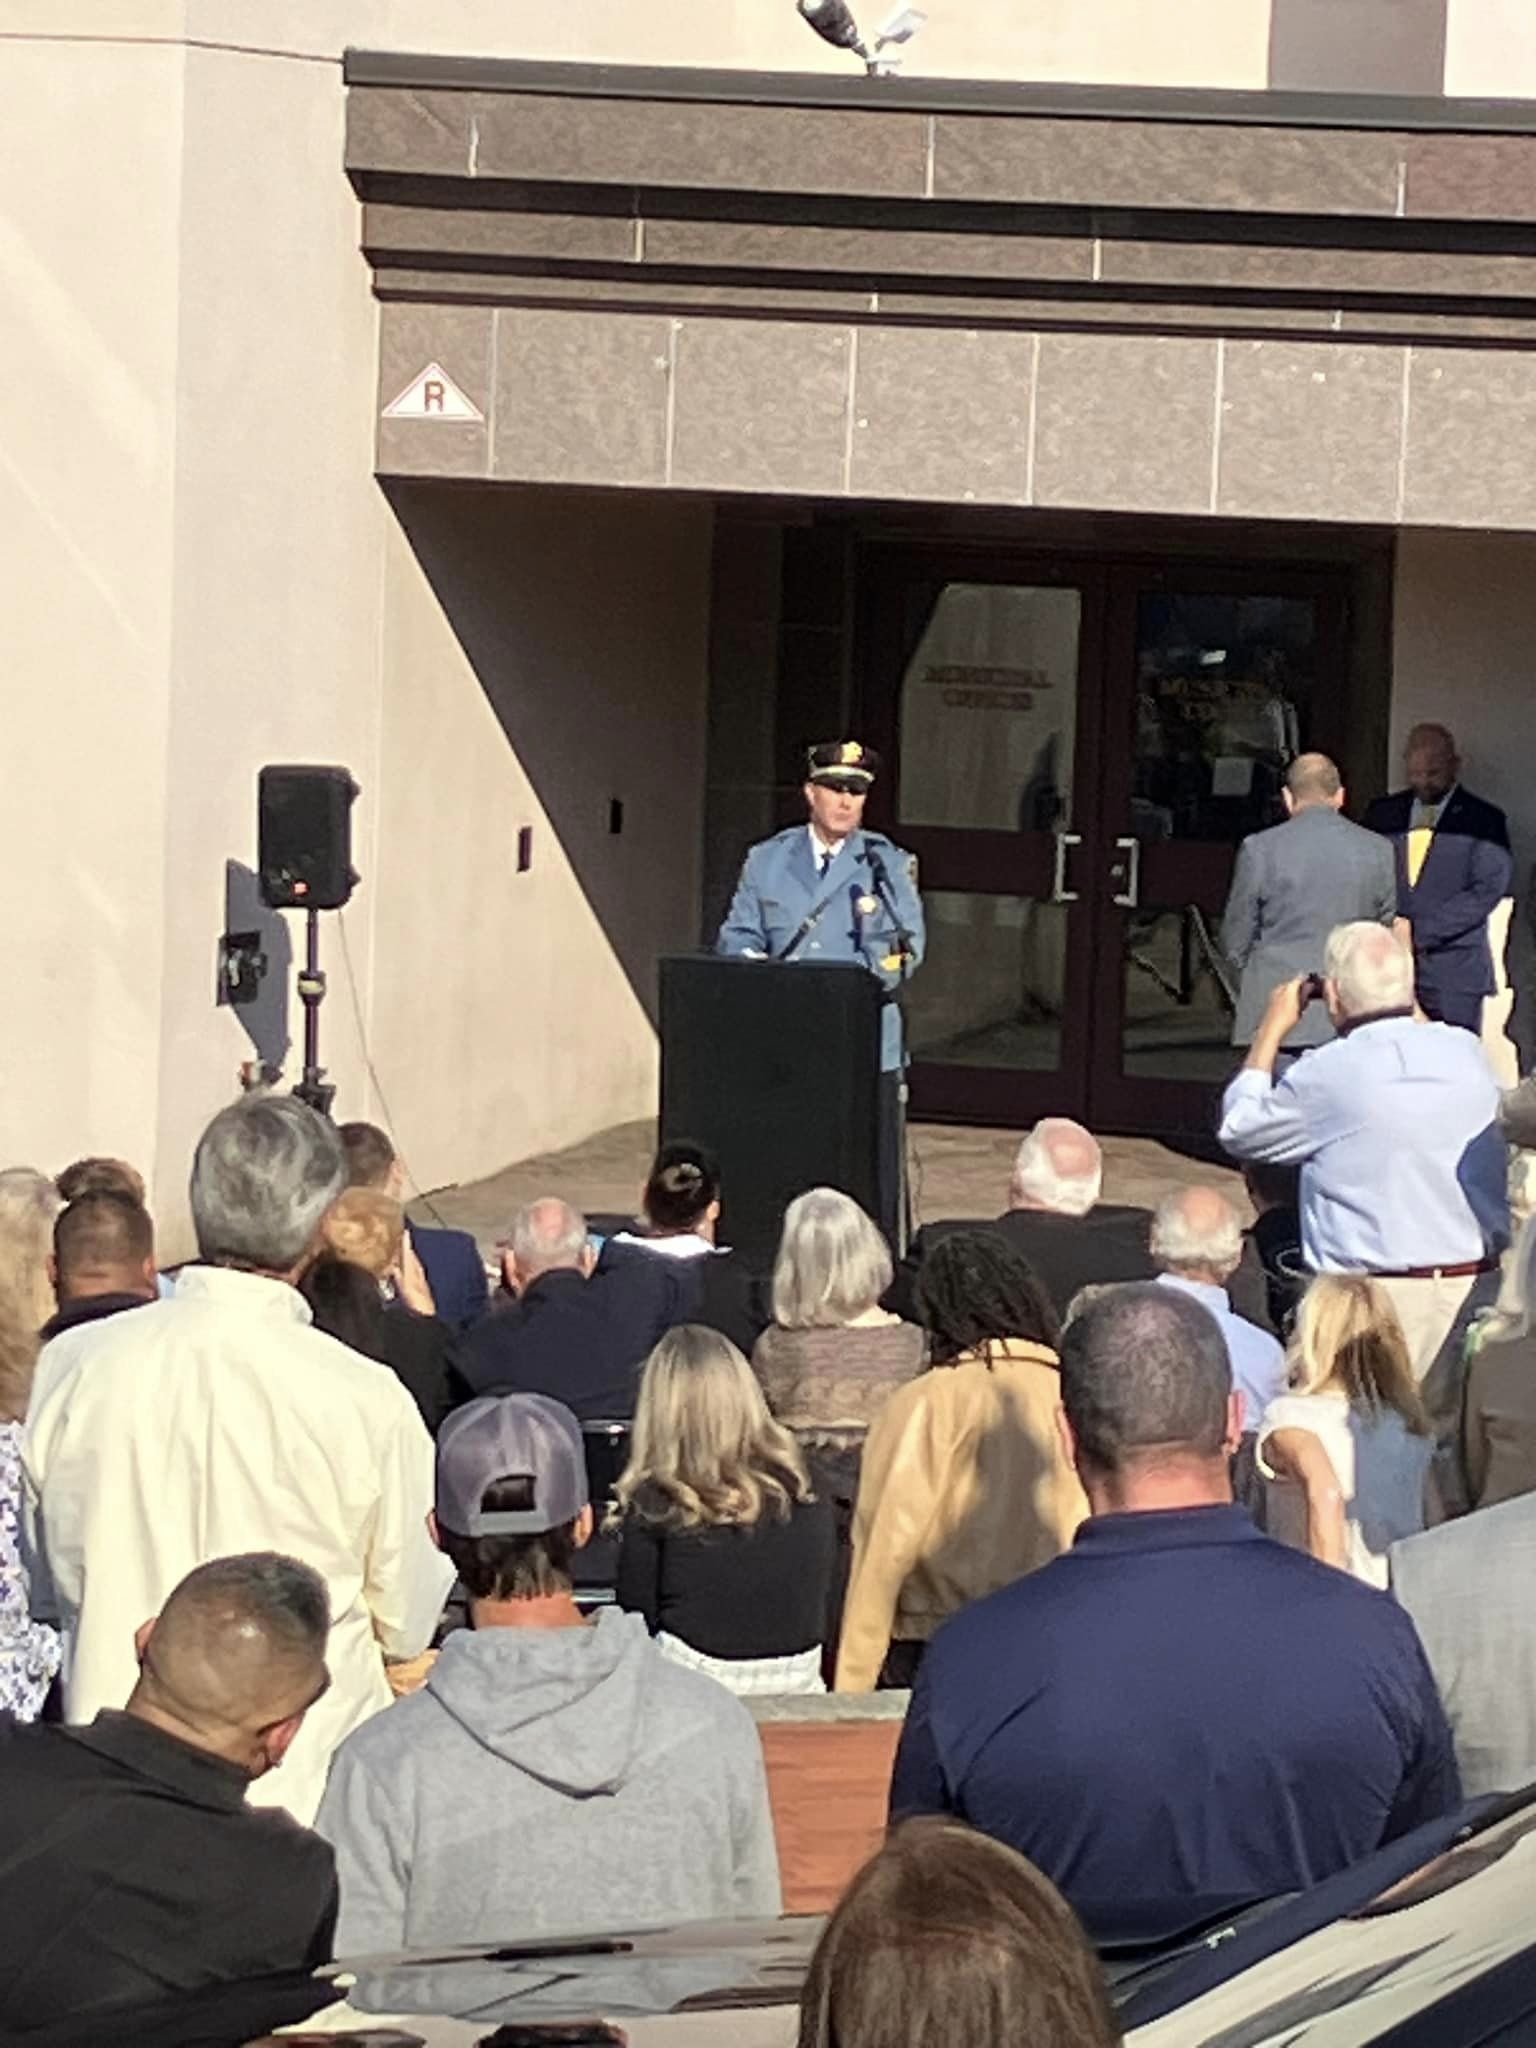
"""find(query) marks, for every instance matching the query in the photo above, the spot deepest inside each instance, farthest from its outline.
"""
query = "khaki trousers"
(1436, 1315)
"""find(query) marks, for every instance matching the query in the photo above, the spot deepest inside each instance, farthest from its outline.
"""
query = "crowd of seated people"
(359, 1493)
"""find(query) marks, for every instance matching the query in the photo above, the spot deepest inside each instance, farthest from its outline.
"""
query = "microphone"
(882, 882)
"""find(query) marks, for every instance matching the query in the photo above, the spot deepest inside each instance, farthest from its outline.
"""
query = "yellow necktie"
(1420, 839)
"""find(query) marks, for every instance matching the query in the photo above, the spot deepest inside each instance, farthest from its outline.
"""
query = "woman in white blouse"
(1347, 1453)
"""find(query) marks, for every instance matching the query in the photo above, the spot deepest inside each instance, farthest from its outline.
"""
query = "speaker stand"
(314, 1088)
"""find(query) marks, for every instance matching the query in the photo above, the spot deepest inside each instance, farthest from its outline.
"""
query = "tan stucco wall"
(1219, 42)
(545, 653)
(88, 366)
(1463, 633)
(1490, 48)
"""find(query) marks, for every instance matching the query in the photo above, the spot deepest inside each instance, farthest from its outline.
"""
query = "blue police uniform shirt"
(780, 887)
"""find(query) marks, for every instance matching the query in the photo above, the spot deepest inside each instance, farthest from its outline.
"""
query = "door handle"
(1060, 893)
(1128, 873)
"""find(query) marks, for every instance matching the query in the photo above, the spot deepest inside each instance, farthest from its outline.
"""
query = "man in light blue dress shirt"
(1394, 1125)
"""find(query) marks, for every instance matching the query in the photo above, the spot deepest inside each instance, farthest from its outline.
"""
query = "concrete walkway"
(957, 1170)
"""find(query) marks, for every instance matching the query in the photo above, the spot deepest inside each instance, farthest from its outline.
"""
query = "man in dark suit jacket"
(1055, 1218)
(450, 1259)
(576, 1328)
(1291, 886)
(1453, 870)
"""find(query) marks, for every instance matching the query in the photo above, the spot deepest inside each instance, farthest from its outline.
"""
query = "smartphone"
(1313, 989)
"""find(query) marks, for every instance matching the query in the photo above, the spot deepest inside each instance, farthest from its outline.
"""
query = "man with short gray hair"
(1394, 1127)
(1197, 1243)
(221, 1421)
(1054, 1218)
(572, 1329)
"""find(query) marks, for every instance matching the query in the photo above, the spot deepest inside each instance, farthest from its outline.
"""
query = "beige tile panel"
(1309, 430)
(1058, 162)
(867, 252)
(679, 142)
(1124, 421)
(399, 128)
(1470, 455)
(760, 405)
(581, 397)
(458, 339)
(942, 414)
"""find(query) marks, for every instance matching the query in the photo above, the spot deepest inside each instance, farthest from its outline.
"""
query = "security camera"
(833, 21)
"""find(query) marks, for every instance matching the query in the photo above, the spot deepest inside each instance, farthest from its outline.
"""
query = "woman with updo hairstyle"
(29, 1208)
(948, 1939)
(965, 1485)
(680, 1213)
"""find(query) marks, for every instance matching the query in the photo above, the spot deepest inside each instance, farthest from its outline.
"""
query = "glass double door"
(1075, 752)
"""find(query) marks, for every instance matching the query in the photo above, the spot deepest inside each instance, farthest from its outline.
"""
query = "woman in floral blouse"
(29, 1650)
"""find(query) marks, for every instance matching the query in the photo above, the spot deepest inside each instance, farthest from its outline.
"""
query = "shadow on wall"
(576, 613)
(264, 1020)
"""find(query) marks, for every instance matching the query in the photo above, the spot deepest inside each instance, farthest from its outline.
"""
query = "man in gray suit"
(1467, 1586)
(1292, 885)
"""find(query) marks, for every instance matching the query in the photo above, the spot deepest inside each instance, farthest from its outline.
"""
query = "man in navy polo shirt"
(1177, 1717)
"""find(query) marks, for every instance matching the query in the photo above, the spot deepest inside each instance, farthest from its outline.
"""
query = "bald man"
(570, 1328)
(133, 1868)
(1291, 886)
(1055, 1217)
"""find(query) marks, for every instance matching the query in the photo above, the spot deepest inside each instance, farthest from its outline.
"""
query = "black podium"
(776, 1068)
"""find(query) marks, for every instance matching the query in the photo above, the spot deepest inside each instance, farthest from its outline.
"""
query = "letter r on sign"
(432, 395)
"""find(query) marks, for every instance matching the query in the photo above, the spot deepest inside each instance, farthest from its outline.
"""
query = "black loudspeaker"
(776, 1068)
(304, 837)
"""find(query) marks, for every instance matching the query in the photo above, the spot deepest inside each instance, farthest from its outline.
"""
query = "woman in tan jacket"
(965, 1485)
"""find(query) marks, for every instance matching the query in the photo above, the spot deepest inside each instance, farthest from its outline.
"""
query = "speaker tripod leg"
(314, 1088)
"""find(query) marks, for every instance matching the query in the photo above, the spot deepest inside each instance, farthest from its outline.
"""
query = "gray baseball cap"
(510, 1436)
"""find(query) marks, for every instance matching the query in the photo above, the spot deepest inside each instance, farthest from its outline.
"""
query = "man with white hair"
(1394, 1127)
(571, 1330)
(1055, 1218)
(220, 1422)
(1197, 1242)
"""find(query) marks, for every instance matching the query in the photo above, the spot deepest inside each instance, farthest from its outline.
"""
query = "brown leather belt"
(1464, 1271)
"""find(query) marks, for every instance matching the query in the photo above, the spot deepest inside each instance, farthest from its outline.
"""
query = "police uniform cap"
(842, 764)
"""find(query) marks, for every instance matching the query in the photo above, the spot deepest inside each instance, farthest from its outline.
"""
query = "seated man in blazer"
(1453, 871)
(1055, 1218)
(461, 1289)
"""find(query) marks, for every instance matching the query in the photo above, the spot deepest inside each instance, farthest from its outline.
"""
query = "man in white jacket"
(555, 1775)
(219, 1422)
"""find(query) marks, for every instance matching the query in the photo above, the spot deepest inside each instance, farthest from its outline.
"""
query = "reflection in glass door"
(1226, 693)
(988, 764)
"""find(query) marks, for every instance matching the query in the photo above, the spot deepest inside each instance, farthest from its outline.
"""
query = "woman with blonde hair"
(723, 1545)
(368, 1291)
(29, 1208)
(1348, 1452)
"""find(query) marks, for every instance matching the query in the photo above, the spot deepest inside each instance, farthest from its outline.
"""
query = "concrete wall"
(545, 655)
(1463, 633)
(88, 367)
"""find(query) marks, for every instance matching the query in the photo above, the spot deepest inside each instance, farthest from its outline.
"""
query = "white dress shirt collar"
(819, 847)
(255, 1293)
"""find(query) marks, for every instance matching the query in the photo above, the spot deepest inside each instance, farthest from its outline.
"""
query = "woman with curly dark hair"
(965, 1485)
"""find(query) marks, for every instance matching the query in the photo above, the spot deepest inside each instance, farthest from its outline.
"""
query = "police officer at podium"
(828, 890)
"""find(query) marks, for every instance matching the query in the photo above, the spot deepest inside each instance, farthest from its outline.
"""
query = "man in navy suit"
(1453, 870)
(451, 1260)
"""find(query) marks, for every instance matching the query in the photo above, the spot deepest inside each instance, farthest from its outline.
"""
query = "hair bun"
(683, 1178)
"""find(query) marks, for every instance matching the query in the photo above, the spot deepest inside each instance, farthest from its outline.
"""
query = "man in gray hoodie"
(555, 1775)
